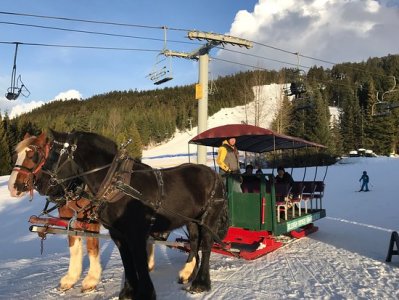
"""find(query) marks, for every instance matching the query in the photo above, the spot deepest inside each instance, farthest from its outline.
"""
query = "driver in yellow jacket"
(228, 161)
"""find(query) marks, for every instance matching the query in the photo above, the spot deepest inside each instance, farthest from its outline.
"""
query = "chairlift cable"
(82, 47)
(262, 57)
(89, 21)
(95, 32)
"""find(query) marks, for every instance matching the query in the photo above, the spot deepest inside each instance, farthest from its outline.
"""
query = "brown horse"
(32, 153)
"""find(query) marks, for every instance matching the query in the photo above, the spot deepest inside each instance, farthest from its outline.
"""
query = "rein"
(62, 180)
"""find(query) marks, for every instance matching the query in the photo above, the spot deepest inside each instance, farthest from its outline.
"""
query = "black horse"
(135, 200)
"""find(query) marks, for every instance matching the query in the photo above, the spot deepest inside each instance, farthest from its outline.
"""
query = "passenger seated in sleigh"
(250, 182)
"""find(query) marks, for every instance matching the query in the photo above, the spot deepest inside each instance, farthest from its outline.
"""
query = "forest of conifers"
(360, 90)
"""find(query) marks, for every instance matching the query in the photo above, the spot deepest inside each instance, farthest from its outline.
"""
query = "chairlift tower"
(202, 55)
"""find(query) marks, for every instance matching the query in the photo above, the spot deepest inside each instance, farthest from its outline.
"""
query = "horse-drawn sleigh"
(132, 200)
(265, 209)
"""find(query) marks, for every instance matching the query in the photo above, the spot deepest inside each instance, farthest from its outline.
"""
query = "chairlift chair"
(297, 86)
(383, 108)
(161, 71)
(17, 87)
(380, 109)
(287, 90)
(15, 90)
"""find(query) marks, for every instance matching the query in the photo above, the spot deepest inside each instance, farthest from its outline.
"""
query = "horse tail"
(223, 221)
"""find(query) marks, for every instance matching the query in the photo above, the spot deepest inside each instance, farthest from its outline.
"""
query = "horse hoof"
(182, 281)
(64, 288)
(67, 282)
(88, 289)
(199, 288)
(89, 284)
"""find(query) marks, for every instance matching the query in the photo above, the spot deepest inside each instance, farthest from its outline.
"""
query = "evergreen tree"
(351, 120)
(135, 148)
(5, 157)
(369, 99)
(299, 113)
(282, 120)
(336, 144)
(317, 123)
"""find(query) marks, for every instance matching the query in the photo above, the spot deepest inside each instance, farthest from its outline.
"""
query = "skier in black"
(365, 182)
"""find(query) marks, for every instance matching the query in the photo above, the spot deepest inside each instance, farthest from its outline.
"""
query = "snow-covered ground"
(345, 259)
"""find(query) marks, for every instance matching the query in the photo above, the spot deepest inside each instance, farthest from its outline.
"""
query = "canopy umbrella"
(251, 138)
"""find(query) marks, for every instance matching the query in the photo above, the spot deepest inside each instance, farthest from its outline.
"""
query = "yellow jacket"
(227, 158)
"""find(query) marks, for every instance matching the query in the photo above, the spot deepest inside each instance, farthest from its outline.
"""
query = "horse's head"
(74, 159)
(31, 154)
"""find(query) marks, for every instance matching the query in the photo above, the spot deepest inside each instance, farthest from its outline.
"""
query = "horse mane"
(103, 142)
(25, 143)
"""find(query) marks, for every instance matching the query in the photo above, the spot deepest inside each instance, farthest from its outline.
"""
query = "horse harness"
(116, 185)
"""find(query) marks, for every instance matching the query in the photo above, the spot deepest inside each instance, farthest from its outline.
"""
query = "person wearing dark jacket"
(365, 182)
(283, 177)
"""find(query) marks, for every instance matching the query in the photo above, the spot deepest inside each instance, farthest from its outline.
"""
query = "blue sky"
(335, 31)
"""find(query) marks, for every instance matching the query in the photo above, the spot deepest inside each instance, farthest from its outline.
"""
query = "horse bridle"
(31, 172)
(43, 154)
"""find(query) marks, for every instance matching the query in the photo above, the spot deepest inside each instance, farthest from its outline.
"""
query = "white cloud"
(17, 108)
(68, 95)
(24, 107)
(332, 30)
